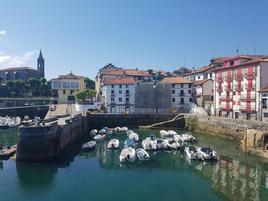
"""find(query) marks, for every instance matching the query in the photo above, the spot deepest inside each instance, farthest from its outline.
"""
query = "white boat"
(171, 132)
(172, 143)
(103, 131)
(127, 155)
(124, 129)
(129, 132)
(142, 154)
(161, 144)
(187, 138)
(191, 153)
(89, 145)
(93, 132)
(113, 144)
(149, 144)
(99, 137)
(164, 133)
(134, 136)
(207, 153)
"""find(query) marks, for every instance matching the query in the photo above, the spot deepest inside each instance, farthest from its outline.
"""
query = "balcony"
(219, 79)
(250, 88)
(248, 97)
(127, 94)
(247, 107)
(239, 77)
(228, 78)
(112, 95)
(250, 76)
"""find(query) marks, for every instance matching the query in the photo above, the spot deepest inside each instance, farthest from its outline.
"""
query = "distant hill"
(181, 71)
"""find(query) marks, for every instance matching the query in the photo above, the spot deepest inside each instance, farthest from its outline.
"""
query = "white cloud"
(2, 34)
(7, 60)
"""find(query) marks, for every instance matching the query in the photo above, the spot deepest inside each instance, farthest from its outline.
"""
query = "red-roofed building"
(237, 86)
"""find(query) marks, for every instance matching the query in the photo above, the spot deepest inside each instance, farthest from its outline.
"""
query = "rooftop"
(68, 76)
(125, 80)
(130, 72)
(176, 80)
(18, 69)
(199, 70)
(200, 82)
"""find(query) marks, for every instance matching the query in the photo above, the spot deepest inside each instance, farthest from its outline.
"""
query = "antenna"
(237, 49)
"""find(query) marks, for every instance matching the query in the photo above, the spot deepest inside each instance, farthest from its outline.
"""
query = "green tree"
(45, 87)
(34, 85)
(86, 94)
(90, 84)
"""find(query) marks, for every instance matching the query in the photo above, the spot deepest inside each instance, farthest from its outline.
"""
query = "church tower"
(41, 64)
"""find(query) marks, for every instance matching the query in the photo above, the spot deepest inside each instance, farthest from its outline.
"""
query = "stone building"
(118, 95)
(65, 87)
(203, 92)
(237, 85)
(24, 73)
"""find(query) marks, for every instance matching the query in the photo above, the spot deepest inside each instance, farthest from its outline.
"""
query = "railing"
(182, 94)
(219, 79)
(239, 77)
(251, 96)
(246, 107)
(250, 76)
(228, 78)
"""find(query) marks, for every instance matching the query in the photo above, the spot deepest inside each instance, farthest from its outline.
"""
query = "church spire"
(41, 64)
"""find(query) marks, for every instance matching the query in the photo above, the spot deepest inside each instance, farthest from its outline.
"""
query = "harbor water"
(99, 176)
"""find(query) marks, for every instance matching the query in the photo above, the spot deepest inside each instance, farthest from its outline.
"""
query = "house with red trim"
(237, 86)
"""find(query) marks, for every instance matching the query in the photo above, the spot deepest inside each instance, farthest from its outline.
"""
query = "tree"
(86, 94)
(90, 84)
(34, 85)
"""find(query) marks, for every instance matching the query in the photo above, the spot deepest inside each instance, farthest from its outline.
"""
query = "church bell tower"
(41, 64)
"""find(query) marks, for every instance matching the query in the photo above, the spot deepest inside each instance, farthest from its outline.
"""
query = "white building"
(118, 95)
(181, 92)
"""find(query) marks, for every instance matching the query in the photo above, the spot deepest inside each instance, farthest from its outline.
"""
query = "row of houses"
(236, 86)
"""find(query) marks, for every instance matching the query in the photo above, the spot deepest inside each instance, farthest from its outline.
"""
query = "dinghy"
(142, 154)
(207, 153)
(93, 132)
(130, 143)
(147, 144)
(134, 136)
(172, 143)
(129, 132)
(89, 145)
(99, 137)
(113, 144)
(187, 138)
(191, 153)
(171, 132)
(161, 144)
(164, 133)
(124, 129)
(127, 155)
(103, 131)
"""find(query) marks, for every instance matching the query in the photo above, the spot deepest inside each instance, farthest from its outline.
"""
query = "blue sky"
(83, 36)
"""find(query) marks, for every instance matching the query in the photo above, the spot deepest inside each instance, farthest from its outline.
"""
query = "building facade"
(118, 95)
(181, 92)
(237, 85)
(66, 86)
(203, 92)
(24, 73)
(264, 101)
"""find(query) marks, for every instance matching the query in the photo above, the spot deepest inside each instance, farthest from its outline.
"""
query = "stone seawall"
(21, 112)
(132, 120)
(231, 128)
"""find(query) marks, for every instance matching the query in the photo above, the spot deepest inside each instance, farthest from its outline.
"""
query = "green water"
(98, 175)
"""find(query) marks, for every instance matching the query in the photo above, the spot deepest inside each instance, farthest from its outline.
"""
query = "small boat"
(129, 132)
(161, 144)
(134, 136)
(152, 136)
(207, 153)
(113, 144)
(128, 154)
(130, 143)
(124, 129)
(171, 132)
(89, 145)
(147, 144)
(172, 143)
(99, 137)
(187, 138)
(164, 134)
(142, 154)
(103, 131)
(93, 132)
(191, 153)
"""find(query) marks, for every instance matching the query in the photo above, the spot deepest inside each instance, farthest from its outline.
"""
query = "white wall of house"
(119, 98)
(181, 94)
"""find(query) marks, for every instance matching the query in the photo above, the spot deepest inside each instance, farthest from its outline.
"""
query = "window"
(64, 92)
(120, 86)
(181, 85)
(248, 116)
(231, 63)
(182, 100)
(173, 85)
(120, 99)
(173, 100)
(190, 100)
(112, 91)
(212, 98)
(173, 91)
(112, 99)
(181, 93)
(75, 85)
(120, 91)
(66, 85)
(190, 85)
(56, 85)
(189, 91)
(127, 91)
(198, 77)
(265, 115)
(127, 99)
(112, 86)
(72, 91)
(264, 103)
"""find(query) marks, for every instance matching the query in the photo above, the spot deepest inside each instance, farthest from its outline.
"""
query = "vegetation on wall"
(86, 94)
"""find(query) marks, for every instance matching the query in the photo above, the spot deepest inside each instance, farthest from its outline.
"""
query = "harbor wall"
(231, 128)
(21, 112)
(98, 121)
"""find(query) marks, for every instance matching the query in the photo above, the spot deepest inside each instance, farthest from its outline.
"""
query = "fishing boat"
(113, 144)
(99, 137)
(191, 153)
(128, 154)
(93, 132)
(142, 154)
(134, 136)
(207, 153)
(172, 143)
(89, 145)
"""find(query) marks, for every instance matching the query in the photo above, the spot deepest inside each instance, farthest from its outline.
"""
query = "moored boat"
(93, 132)
(207, 153)
(128, 154)
(142, 154)
(133, 136)
(130, 143)
(89, 145)
(172, 143)
(113, 144)
(99, 137)
(191, 153)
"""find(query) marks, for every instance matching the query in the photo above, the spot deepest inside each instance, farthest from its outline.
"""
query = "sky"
(84, 35)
